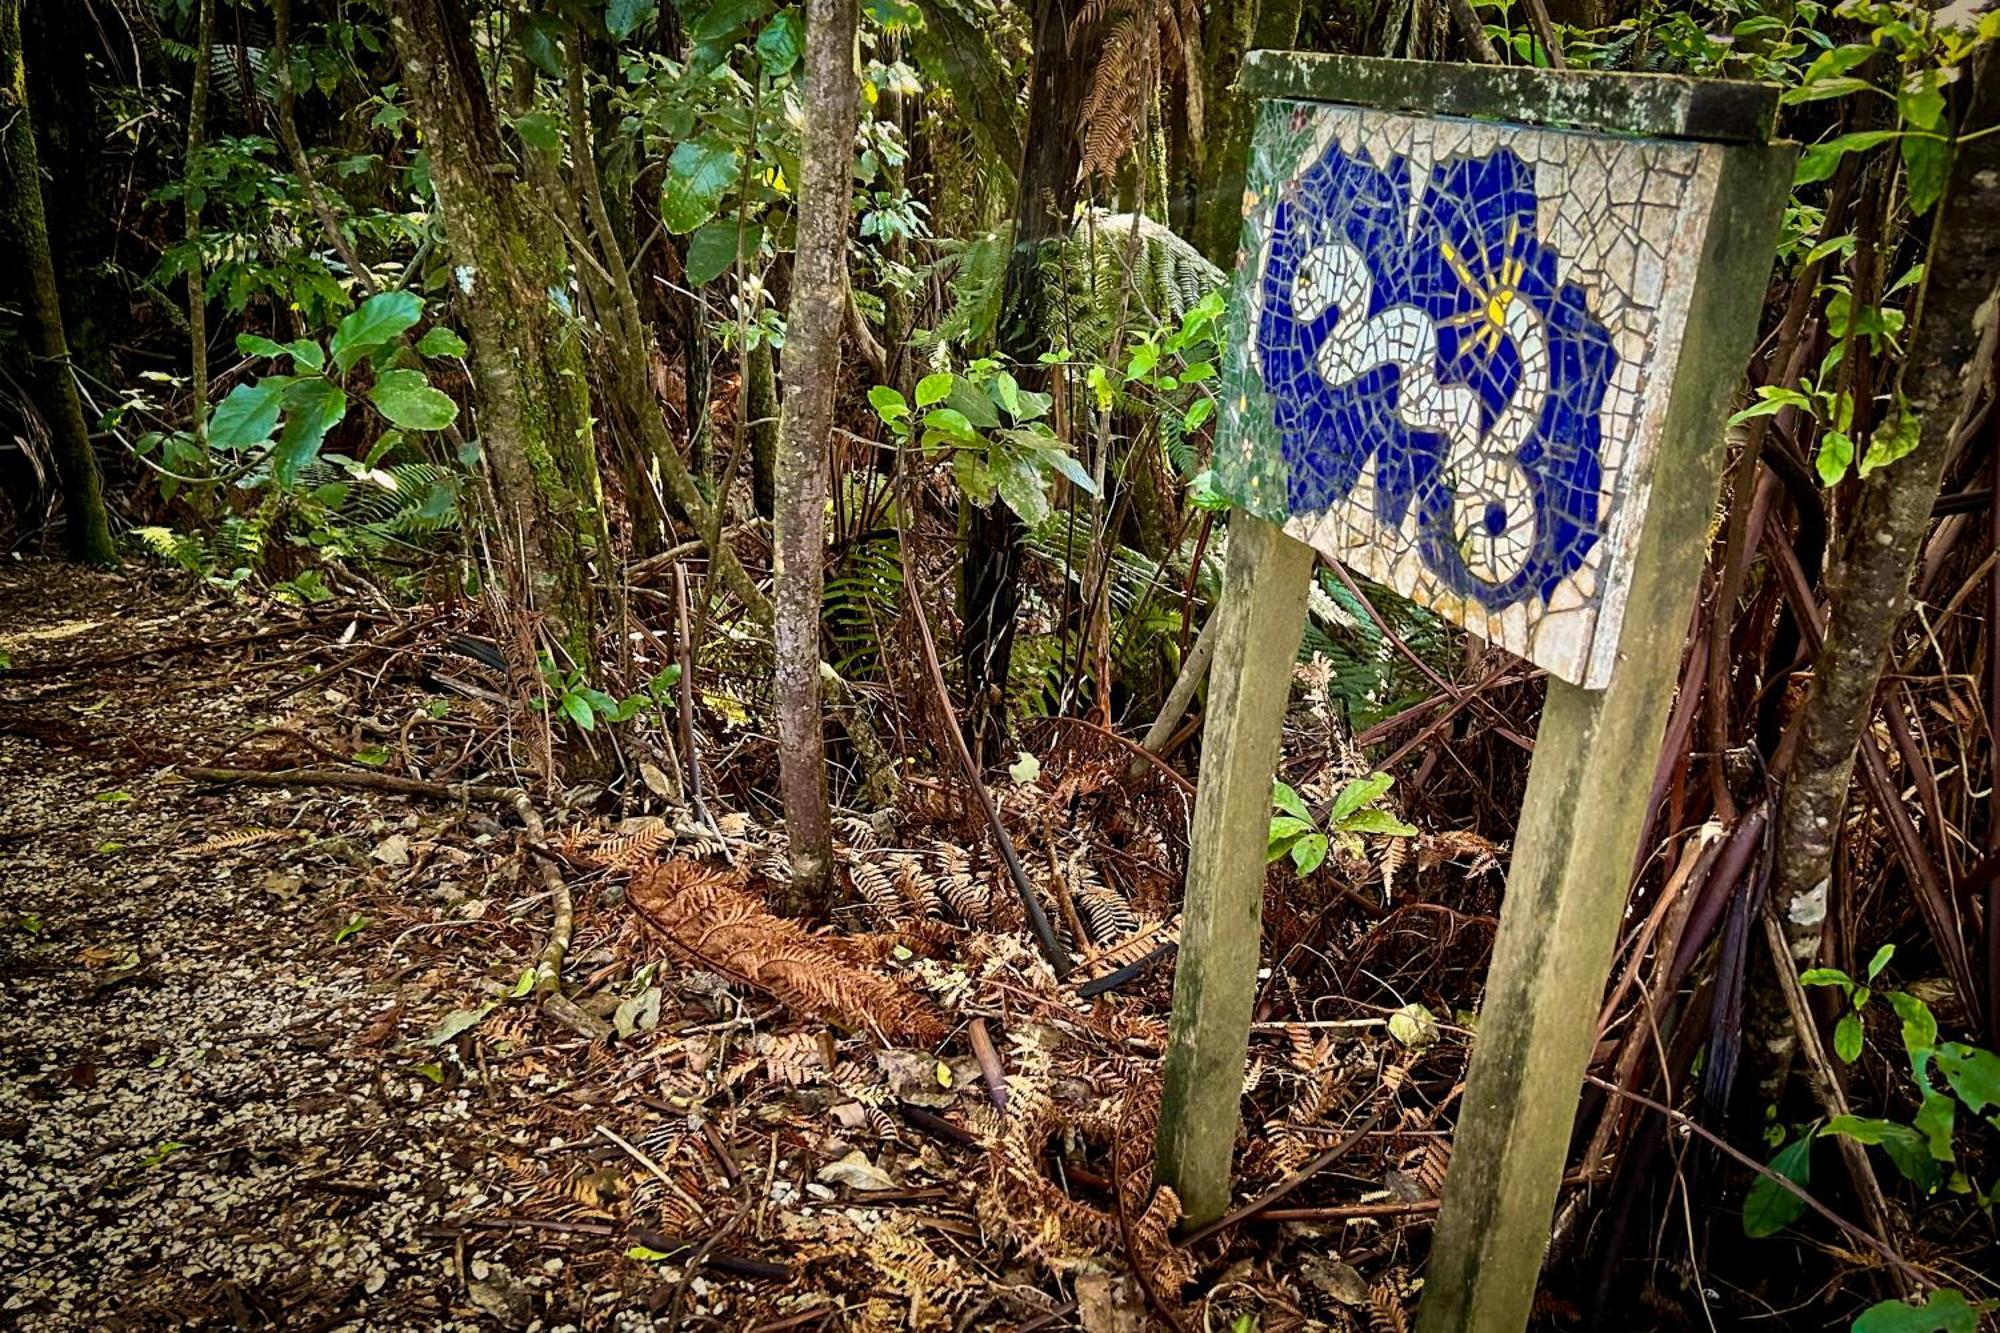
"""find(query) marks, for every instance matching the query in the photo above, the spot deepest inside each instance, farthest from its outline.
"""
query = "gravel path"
(193, 1131)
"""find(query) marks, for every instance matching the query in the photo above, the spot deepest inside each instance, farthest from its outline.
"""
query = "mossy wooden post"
(1484, 334)
(1260, 619)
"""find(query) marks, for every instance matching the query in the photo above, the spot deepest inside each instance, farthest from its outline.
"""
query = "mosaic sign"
(1451, 347)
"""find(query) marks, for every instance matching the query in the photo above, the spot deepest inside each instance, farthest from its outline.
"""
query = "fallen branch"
(1285, 1186)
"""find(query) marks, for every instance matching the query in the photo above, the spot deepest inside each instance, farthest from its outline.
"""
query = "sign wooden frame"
(1599, 740)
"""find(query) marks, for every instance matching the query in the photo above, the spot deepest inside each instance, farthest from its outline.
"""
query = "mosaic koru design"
(1450, 346)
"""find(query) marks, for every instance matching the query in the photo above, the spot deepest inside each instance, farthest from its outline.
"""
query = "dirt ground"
(199, 1126)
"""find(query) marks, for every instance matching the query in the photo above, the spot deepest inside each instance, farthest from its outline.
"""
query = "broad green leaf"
(579, 711)
(1360, 792)
(1934, 1120)
(1309, 852)
(1827, 976)
(378, 320)
(1197, 413)
(977, 405)
(947, 423)
(1025, 769)
(1926, 163)
(1880, 960)
(1893, 439)
(1906, 1148)
(1379, 822)
(1006, 391)
(306, 355)
(888, 404)
(698, 174)
(440, 341)
(540, 37)
(312, 408)
(1055, 456)
(726, 16)
(1288, 800)
(1920, 1031)
(623, 17)
(539, 130)
(1847, 1036)
(1836, 455)
(712, 248)
(973, 476)
(1973, 1074)
(1819, 92)
(1020, 483)
(1945, 1312)
(1769, 1207)
(408, 400)
(1819, 161)
(252, 344)
(782, 42)
(249, 414)
(934, 388)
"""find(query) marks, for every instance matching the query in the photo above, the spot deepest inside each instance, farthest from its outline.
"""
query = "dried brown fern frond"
(711, 917)
(229, 842)
(1142, 943)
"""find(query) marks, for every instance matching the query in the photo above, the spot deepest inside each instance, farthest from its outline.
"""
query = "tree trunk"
(812, 373)
(197, 280)
(528, 375)
(1949, 367)
(1044, 198)
(24, 232)
(1216, 209)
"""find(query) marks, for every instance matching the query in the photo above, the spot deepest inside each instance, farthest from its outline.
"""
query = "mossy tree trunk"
(24, 234)
(529, 383)
(1210, 179)
(812, 375)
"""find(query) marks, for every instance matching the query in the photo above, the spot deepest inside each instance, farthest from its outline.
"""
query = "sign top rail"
(1667, 106)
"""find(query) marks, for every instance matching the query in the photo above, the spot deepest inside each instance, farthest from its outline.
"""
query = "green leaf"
(623, 17)
(1819, 92)
(1769, 1207)
(1288, 800)
(251, 344)
(1945, 1312)
(1973, 1074)
(1920, 1031)
(725, 17)
(440, 341)
(539, 130)
(579, 711)
(1819, 161)
(1827, 976)
(1836, 455)
(1025, 769)
(1309, 852)
(408, 400)
(1934, 1120)
(1893, 439)
(249, 414)
(1197, 413)
(1021, 486)
(1880, 960)
(946, 422)
(890, 405)
(1379, 822)
(712, 248)
(1360, 792)
(782, 42)
(378, 320)
(1926, 163)
(934, 388)
(1055, 456)
(1847, 1036)
(354, 926)
(306, 355)
(698, 174)
(312, 408)
(1905, 1147)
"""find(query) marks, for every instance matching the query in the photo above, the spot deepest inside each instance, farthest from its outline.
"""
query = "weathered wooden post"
(1485, 328)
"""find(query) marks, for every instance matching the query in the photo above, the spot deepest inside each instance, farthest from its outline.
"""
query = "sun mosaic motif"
(1451, 344)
